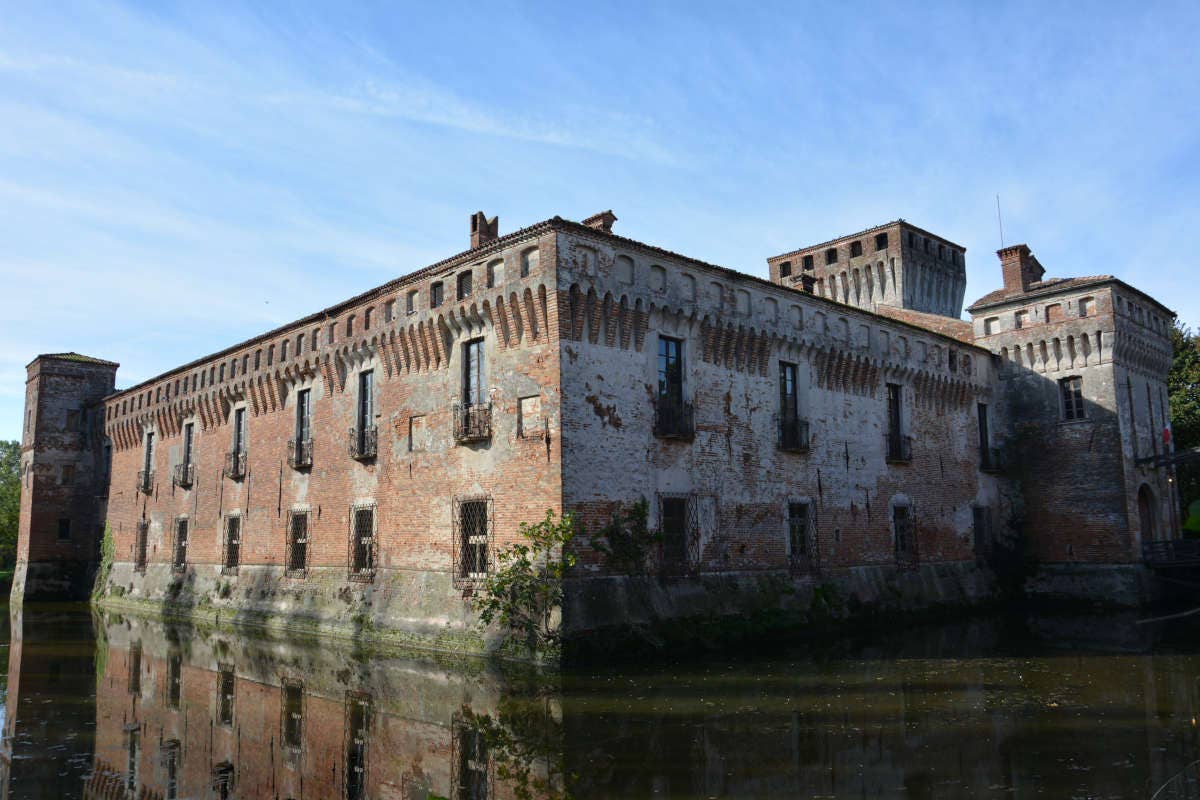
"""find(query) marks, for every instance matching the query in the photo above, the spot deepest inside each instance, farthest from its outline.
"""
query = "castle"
(835, 436)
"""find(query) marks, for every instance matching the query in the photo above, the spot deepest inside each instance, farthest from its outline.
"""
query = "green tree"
(10, 501)
(525, 591)
(1183, 385)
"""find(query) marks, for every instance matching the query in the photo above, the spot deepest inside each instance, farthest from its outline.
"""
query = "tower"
(64, 475)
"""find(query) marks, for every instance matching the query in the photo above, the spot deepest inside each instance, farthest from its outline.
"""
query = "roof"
(77, 357)
(947, 326)
(471, 255)
(1052, 286)
(868, 231)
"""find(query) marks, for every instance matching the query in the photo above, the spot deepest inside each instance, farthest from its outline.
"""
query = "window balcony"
(363, 443)
(300, 455)
(898, 448)
(184, 475)
(793, 435)
(235, 464)
(472, 422)
(674, 420)
(145, 482)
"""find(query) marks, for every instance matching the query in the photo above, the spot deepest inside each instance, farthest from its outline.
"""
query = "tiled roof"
(946, 326)
(80, 358)
(1047, 286)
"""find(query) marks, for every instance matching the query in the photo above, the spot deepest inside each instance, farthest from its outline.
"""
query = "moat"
(104, 706)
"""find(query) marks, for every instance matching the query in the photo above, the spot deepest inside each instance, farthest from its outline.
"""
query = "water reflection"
(112, 707)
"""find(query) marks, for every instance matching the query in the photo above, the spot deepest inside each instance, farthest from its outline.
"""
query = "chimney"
(602, 221)
(483, 230)
(1019, 267)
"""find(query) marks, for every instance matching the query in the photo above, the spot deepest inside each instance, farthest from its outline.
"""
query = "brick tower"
(64, 475)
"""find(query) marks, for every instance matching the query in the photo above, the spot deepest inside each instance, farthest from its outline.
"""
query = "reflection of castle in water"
(186, 713)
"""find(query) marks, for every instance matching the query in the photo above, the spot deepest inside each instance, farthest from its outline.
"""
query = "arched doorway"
(1147, 514)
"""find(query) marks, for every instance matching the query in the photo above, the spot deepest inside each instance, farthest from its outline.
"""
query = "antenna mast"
(1000, 221)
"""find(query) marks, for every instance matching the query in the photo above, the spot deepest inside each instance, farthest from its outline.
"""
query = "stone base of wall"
(421, 611)
(56, 580)
(662, 611)
(1122, 585)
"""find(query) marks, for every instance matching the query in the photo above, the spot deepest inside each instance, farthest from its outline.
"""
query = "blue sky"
(176, 178)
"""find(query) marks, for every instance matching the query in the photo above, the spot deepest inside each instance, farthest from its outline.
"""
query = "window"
(435, 295)
(991, 325)
(189, 433)
(170, 754)
(831, 255)
(791, 434)
(297, 546)
(389, 310)
(1085, 307)
(529, 417)
(673, 519)
(304, 418)
(471, 541)
(881, 241)
(1054, 312)
(898, 445)
(464, 285)
(64, 530)
(472, 767)
(905, 535)
(367, 318)
(293, 715)
(495, 274)
(855, 249)
(529, 261)
(174, 680)
(474, 374)
(179, 559)
(147, 477)
(223, 780)
(1021, 320)
(986, 459)
(785, 269)
(410, 302)
(140, 546)
(131, 774)
(808, 263)
(358, 723)
(362, 541)
(239, 430)
(225, 695)
(72, 420)
(801, 541)
(1071, 390)
(364, 438)
(233, 544)
(134, 678)
(673, 417)
(68, 475)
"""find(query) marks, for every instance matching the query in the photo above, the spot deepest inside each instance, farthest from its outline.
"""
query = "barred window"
(362, 541)
(134, 682)
(140, 546)
(358, 721)
(174, 680)
(905, 535)
(233, 543)
(471, 762)
(673, 523)
(225, 695)
(297, 550)
(293, 715)
(223, 780)
(801, 546)
(472, 528)
(170, 755)
(179, 560)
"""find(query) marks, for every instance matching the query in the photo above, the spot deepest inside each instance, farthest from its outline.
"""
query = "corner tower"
(64, 475)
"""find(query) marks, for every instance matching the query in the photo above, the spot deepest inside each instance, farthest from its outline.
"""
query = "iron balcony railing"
(674, 420)
(300, 454)
(472, 422)
(793, 435)
(235, 464)
(184, 475)
(363, 443)
(899, 448)
(145, 481)
(991, 459)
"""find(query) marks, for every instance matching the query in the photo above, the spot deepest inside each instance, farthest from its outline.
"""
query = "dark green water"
(1096, 707)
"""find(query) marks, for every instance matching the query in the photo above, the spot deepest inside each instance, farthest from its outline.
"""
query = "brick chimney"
(602, 221)
(483, 230)
(1020, 268)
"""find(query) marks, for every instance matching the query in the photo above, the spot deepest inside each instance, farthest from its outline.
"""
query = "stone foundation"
(58, 580)
(1124, 585)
